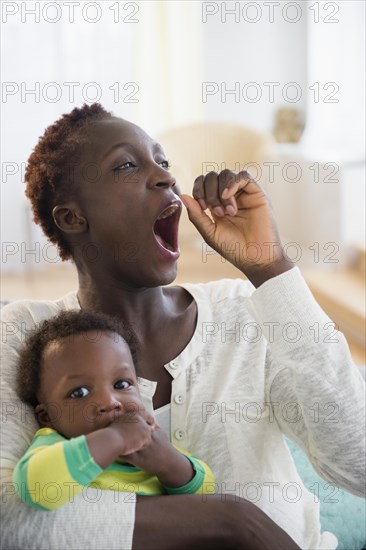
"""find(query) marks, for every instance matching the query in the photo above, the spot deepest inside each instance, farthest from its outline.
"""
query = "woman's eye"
(124, 166)
(122, 385)
(78, 393)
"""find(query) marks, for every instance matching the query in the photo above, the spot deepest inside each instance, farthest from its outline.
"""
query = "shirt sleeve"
(202, 483)
(316, 392)
(107, 518)
(54, 470)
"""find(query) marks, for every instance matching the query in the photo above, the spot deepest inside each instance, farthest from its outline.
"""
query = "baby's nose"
(109, 404)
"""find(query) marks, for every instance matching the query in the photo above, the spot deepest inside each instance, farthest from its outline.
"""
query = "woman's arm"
(317, 393)
(205, 522)
(311, 365)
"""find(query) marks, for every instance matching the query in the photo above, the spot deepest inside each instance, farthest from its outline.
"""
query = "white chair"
(213, 146)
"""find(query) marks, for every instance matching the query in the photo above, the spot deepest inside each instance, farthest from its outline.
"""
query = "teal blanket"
(340, 512)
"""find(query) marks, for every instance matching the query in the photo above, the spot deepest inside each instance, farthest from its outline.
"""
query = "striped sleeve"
(54, 470)
(202, 483)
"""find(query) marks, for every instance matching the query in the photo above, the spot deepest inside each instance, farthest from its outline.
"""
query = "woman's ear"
(69, 218)
(42, 416)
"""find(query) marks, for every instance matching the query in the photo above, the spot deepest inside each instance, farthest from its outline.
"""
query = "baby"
(77, 372)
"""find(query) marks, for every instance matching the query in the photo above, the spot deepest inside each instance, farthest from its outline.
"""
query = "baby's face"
(87, 381)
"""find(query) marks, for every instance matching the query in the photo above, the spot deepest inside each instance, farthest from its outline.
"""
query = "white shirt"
(261, 363)
(162, 418)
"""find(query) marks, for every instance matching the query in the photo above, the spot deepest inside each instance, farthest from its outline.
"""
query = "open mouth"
(166, 227)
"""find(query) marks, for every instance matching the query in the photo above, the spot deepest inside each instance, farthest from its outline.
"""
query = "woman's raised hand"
(242, 227)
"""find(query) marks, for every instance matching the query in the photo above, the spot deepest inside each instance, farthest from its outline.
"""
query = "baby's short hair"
(65, 324)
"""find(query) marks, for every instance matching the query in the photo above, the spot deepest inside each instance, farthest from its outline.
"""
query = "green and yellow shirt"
(55, 470)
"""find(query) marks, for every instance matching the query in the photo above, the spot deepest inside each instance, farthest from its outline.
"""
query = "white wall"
(336, 60)
(35, 54)
(255, 45)
(170, 53)
(323, 52)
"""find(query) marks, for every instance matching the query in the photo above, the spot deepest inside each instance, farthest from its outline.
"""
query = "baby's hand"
(162, 459)
(152, 455)
(133, 430)
(128, 433)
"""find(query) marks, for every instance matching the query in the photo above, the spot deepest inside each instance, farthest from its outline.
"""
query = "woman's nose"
(162, 178)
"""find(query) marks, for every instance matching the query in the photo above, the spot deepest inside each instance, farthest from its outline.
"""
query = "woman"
(233, 362)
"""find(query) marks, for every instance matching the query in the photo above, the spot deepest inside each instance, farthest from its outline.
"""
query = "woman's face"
(131, 204)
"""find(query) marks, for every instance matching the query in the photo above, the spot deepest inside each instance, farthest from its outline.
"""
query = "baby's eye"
(165, 164)
(78, 393)
(122, 385)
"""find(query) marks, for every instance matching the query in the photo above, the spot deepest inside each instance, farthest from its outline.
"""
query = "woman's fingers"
(226, 178)
(207, 191)
(242, 180)
(212, 196)
(197, 216)
(218, 192)
(199, 192)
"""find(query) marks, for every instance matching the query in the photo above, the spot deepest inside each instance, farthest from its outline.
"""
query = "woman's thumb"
(198, 217)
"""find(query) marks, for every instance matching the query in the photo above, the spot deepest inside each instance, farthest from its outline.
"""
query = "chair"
(211, 146)
(199, 148)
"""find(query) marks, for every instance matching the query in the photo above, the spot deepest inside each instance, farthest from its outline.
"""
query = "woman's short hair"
(49, 173)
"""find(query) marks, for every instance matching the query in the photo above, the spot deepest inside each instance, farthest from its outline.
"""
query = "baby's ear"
(42, 416)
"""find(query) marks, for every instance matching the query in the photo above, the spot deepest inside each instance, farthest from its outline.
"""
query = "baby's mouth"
(165, 227)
